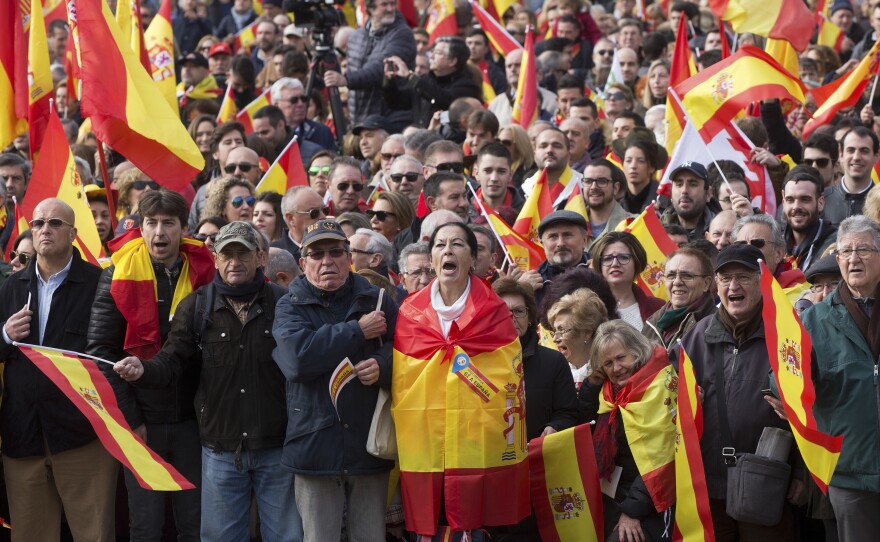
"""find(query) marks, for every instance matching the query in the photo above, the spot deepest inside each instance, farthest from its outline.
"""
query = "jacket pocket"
(219, 347)
(303, 419)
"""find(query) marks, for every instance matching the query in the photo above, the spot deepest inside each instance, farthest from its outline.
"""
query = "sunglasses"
(756, 242)
(398, 178)
(818, 163)
(318, 255)
(23, 257)
(454, 167)
(315, 213)
(616, 96)
(238, 201)
(388, 156)
(140, 185)
(343, 187)
(315, 170)
(604, 52)
(54, 223)
(243, 166)
(298, 100)
(381, 216)
(204, 237)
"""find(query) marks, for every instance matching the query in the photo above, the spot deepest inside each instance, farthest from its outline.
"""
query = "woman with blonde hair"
(516, 139)
(574, 320)
(391, 213)
(657, 83)
(230, 198)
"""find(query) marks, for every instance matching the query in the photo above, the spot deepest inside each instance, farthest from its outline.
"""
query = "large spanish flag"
(287, 171)
(693, 520)
(565, 486)
(646, 406)
(87, 388)
(498, 36)
(843, 92)
(525, 102)
(523, 253)
(780, 19)
(128, 17)
(715, 96)
(441, 20)
(458, 407)
(159, 42)
(682, 68)
(41, 88)
(246, 115)
(125, 106)
(650, 233)
(13, 73)
(789, 348)
(134, 287)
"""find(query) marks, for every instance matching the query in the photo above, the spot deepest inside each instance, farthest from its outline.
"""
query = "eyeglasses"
(818, 163)
(828, 286)
(23, 257)
(381, 216)
(506, 142)
(419, 272)
(604, 52)
(388, 156)
(315, 212)
(244, 256)
(140, 185)
(741, 278)
(561, 333)
(616, 96)
(599, 181)
(54, 223)
(204, 237)
(318, 255)
(343, 187)
(243, 166)
(238, 201)
(454, 167)
(411, 177)
(518, 312)
(315, 170)
(359, 251)
(756, 242)
(863, 253)
(622, 259)
(298, 100)
(684, 276)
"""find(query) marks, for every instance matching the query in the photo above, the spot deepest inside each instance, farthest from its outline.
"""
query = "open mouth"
(449, 267)
(736, 298)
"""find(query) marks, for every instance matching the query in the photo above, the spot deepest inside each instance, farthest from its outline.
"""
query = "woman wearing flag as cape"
(457, 398)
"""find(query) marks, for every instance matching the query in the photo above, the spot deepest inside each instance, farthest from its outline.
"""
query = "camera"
(322, 15)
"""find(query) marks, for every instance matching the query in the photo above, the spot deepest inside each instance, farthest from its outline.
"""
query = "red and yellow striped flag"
(488, 90)
(128, 17)
(134, 287)
(124, 104)
(457, 403)
(716, 95)
(13, 74)
(682, 68)
(228, 110)
(650, 233)
(565, 486)
(829, 33)
(159, 40)
(789, 348)
(538, 205)
(71, 68)
(246, 115)
(498, 36)
(525, 254)
(525, 102)
(41, 88)
(245, 38)
(441, 20)
(780, 19)
(88, 389)
(693, 520)
(287, 171)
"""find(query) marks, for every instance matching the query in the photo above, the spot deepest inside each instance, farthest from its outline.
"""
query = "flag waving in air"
(650, 233)
(498, 36)
(780, 19)
(538, 205)
(13, 74)
(525, 102)
(523, 253)
(228, 110)
(682, 67)
(40, 85)
(246, 115)
(287, 171)
(159, 42)
(441, 20)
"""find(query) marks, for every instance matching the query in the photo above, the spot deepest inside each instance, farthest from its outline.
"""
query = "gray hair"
(356, 220)
(396, 137)
(287, 199)
(377, 244)
(282, 261)
(618, 331)
(420, 247)
(87, 169)
(767, 220)
(435, 219)
(857, 224)
(281, 84)
(407, 158)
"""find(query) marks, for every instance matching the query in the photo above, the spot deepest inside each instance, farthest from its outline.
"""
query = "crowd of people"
(228, 311)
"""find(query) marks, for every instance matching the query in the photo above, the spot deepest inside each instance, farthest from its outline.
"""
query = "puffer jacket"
(847, 392)
(312, 342)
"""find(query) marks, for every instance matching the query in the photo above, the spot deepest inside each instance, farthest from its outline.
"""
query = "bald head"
(629, 65)
(54, 233)
(55, 208)
(245, 158)
(721, 228)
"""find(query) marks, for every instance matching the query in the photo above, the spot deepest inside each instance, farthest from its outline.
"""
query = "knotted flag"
(649, 231)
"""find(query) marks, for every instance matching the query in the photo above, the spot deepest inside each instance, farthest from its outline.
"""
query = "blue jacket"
(311, 344)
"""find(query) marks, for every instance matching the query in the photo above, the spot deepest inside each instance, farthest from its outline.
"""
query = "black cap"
(561, 217)
(824, 266)
(696, 168)
(372, 122)
(841, 4)
(323, 230)
(743, 254)
(193, 58)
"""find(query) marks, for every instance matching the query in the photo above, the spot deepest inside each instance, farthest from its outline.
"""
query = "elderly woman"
(267, 215)
(688, 280)
(457, 388)
(391, 213)
(624, 361)
(230, 198)
(574, 320)
(621, 258)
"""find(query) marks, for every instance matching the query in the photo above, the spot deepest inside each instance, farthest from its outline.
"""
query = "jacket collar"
(75, 275)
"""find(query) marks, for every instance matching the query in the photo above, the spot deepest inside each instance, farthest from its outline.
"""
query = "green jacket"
(847, 392)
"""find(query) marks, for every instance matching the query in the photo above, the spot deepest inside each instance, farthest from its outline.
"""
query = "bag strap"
(727, 449)
(204, 302)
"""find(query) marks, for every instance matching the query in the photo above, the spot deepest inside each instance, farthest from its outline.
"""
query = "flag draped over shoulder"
(498, 36)
(523, 253)
(246, 115)
(159, 43)
(125, 106)
(441, 20)
(287, 171)
(134, 287)
(693, 520)
(87, 388)
(565, 486)
(646, 406)
(789, 348)
(525, 102)
(780, 19)
(650, 233)
(13, 73)
(41, 88)
(458, 407)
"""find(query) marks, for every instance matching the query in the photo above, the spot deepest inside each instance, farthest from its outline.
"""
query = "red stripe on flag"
(538, 491)
(420, 492)
(587, 465)
(472, 495)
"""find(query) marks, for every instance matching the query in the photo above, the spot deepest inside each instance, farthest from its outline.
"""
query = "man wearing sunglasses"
(821, 151)
(346, 184)
(329, 320)
(53, 462)
(301, 207)
(764, 233)
(371, 250)
(243, 163)
(289, 94)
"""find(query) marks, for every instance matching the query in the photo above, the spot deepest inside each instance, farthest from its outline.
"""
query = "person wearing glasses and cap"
(763, 232)
(301, 207)
(331, 316)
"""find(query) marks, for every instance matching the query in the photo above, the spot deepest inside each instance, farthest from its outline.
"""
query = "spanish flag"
(159, 40)
(843, 92)
(87, 388)
(789, 347)
(829, 33)
(41, 88)
(228, 110)
(715, 96)
(457, 403)
(646, 406)
(71, 68)
(650, 233)
(525, 102)
(245, 38)
(538, 205)
(693, 520)
(682, 68)
(246, 115)
(13, 74)
(134, 287)
(287, 171)
(488, 90)
(498, 36)
(780, 19)
(441, 20)
(565, 486)
(523, 253)
(125, 106)
(128, 17)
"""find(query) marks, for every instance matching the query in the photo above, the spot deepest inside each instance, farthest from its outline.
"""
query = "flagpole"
(873, 88)
(491, 226)
(107, 183)
(60, 351)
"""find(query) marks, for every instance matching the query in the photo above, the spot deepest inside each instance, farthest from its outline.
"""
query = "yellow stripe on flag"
(159, 42)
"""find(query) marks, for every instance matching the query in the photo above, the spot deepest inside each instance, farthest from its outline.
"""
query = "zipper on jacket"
(733, 367)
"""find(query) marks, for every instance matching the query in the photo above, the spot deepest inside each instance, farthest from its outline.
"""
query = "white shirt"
(448, 314)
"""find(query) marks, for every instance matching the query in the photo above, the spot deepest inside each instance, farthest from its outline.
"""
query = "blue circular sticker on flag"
(460, 362)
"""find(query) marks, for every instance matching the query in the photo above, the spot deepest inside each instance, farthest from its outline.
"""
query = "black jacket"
(840, 204)
(550, 393)
(819, 238)
(240, 400)
(428, 94)
(36, 415)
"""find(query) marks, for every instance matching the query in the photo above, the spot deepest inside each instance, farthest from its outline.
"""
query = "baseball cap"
(236, 232)
(561, 217)
(696, 168)
(746, 255)
(220, 48)
(193, 58)
(321, 231)
(293, 30)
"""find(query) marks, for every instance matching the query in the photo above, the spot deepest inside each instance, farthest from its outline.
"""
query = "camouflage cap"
(236, 232)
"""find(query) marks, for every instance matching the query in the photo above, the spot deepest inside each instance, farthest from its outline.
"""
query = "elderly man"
(846, 348)
(282, 268)
(721, 229)
(734, 338)
(406, 176)
(764, 233)
(53, 463)
(564, 237)
(301, 207)
(370, 250)
(290, 95)
(331, 319)
(415, 266)
(220, 336)
(166, 418)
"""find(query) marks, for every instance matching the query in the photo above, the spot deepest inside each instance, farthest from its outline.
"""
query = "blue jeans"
(226, 496)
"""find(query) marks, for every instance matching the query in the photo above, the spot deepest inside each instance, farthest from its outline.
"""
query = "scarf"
(672, 318)
(240, 293)
(508, 198)
(746, 327)
(870, 327)
(446, 314)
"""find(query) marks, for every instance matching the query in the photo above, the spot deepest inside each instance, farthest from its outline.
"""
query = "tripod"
(326, 59)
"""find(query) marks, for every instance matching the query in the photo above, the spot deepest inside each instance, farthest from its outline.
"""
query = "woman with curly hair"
(230, 198)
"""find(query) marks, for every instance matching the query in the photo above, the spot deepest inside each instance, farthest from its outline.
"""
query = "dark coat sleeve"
(637, 503)
(180, 347)
(399, 41)
(565, 411)
(443, 96)
(781, 139)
